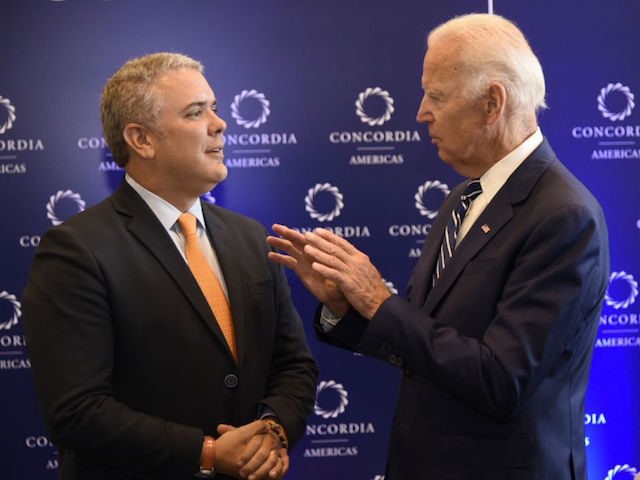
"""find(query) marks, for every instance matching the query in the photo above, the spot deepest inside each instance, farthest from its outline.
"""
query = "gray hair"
(129, 96)
(492, 48)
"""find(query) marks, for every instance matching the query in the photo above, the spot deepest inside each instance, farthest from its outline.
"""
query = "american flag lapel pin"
(485, 228)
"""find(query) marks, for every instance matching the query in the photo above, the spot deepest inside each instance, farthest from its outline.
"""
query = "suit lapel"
(495, 216)
(145, 226)
(230, 263)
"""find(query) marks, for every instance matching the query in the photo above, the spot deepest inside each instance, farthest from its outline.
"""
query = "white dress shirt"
(168, 216)
(494, 178)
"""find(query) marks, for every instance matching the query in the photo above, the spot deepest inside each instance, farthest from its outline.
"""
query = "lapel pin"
(485, 228)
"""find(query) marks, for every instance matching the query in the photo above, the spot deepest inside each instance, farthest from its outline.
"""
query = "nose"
(216, 124)
(424, 114)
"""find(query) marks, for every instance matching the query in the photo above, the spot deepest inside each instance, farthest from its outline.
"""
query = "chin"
(220, 173)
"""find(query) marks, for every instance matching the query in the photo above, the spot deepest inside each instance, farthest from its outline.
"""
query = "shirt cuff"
(327, 319)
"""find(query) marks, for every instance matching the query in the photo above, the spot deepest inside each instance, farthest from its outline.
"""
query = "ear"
(137, 137)
(495, 102)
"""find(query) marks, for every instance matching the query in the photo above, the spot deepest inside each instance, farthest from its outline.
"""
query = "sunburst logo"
(17, 311)
(429, 185)
(378, 93)
(622, 290)
(242, 120)
(622, 472)
(311, 199)
(5, 104)
(342, 399)
(57, 197)
(616, 91)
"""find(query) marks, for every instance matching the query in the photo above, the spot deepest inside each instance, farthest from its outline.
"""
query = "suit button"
(231, 381)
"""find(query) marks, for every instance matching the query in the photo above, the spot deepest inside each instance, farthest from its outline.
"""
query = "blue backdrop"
(320, 100)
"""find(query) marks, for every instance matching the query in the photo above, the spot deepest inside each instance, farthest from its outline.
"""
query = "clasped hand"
(252, 451)
(333, 270)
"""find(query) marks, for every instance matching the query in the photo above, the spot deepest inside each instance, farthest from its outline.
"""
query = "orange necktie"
(207, 280)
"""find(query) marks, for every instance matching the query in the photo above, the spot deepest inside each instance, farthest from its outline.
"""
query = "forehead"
(440, 64)
(185, 85)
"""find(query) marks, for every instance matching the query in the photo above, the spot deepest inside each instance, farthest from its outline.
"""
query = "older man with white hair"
(496, 332)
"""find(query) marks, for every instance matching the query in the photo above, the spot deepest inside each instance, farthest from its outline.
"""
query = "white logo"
(625, 469)
(264, 103)
(384, 95)
(342, 393)
(633, 290)
(419, 197)
(13, 320)
(604, 93)
(378, 477)
(209, 198)
(11, 115)
(54, 199)
(311, 194)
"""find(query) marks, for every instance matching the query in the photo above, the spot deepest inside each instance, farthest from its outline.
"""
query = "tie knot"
(472, 191)
(187, 223)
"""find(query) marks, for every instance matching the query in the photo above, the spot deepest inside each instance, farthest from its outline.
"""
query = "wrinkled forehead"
(442, 63)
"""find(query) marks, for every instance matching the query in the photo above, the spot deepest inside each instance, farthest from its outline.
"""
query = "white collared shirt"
(168, 216)
(495, 178)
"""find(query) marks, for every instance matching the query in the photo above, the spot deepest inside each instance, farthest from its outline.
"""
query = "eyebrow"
(199, 104)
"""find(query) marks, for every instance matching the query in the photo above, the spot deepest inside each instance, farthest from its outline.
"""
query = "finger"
(337, 240)
(325, 258)
(292, 243)
(277, 471)
(326, 246)
(246, 432)
(224, 428)
(247, 460)
(270, 468)
(330, 273)
(284, 260)
(292, 235)
(284, 458)
(280, 243)
(256, 427)
(264, 459)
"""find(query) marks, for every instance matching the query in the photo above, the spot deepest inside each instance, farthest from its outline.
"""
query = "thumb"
(224, 428)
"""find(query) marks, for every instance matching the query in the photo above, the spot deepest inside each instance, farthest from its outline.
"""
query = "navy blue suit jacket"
(496, 356)
(130, 365)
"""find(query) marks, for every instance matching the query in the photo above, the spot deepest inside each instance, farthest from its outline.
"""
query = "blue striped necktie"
(455, 220)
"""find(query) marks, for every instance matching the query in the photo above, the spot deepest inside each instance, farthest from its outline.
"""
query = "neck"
(178, 197)
(507, 137)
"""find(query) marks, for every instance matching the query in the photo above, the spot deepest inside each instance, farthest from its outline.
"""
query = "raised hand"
(293, 244)
(338, 261)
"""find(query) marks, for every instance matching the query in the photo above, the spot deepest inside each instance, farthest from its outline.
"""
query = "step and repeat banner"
(320, 100)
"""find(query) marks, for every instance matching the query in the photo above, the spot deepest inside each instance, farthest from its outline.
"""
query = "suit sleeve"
(292, 380)
(70, 337)
(547, 312)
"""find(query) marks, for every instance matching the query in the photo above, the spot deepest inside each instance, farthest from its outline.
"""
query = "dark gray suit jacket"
(496, 356)
(130, 366)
